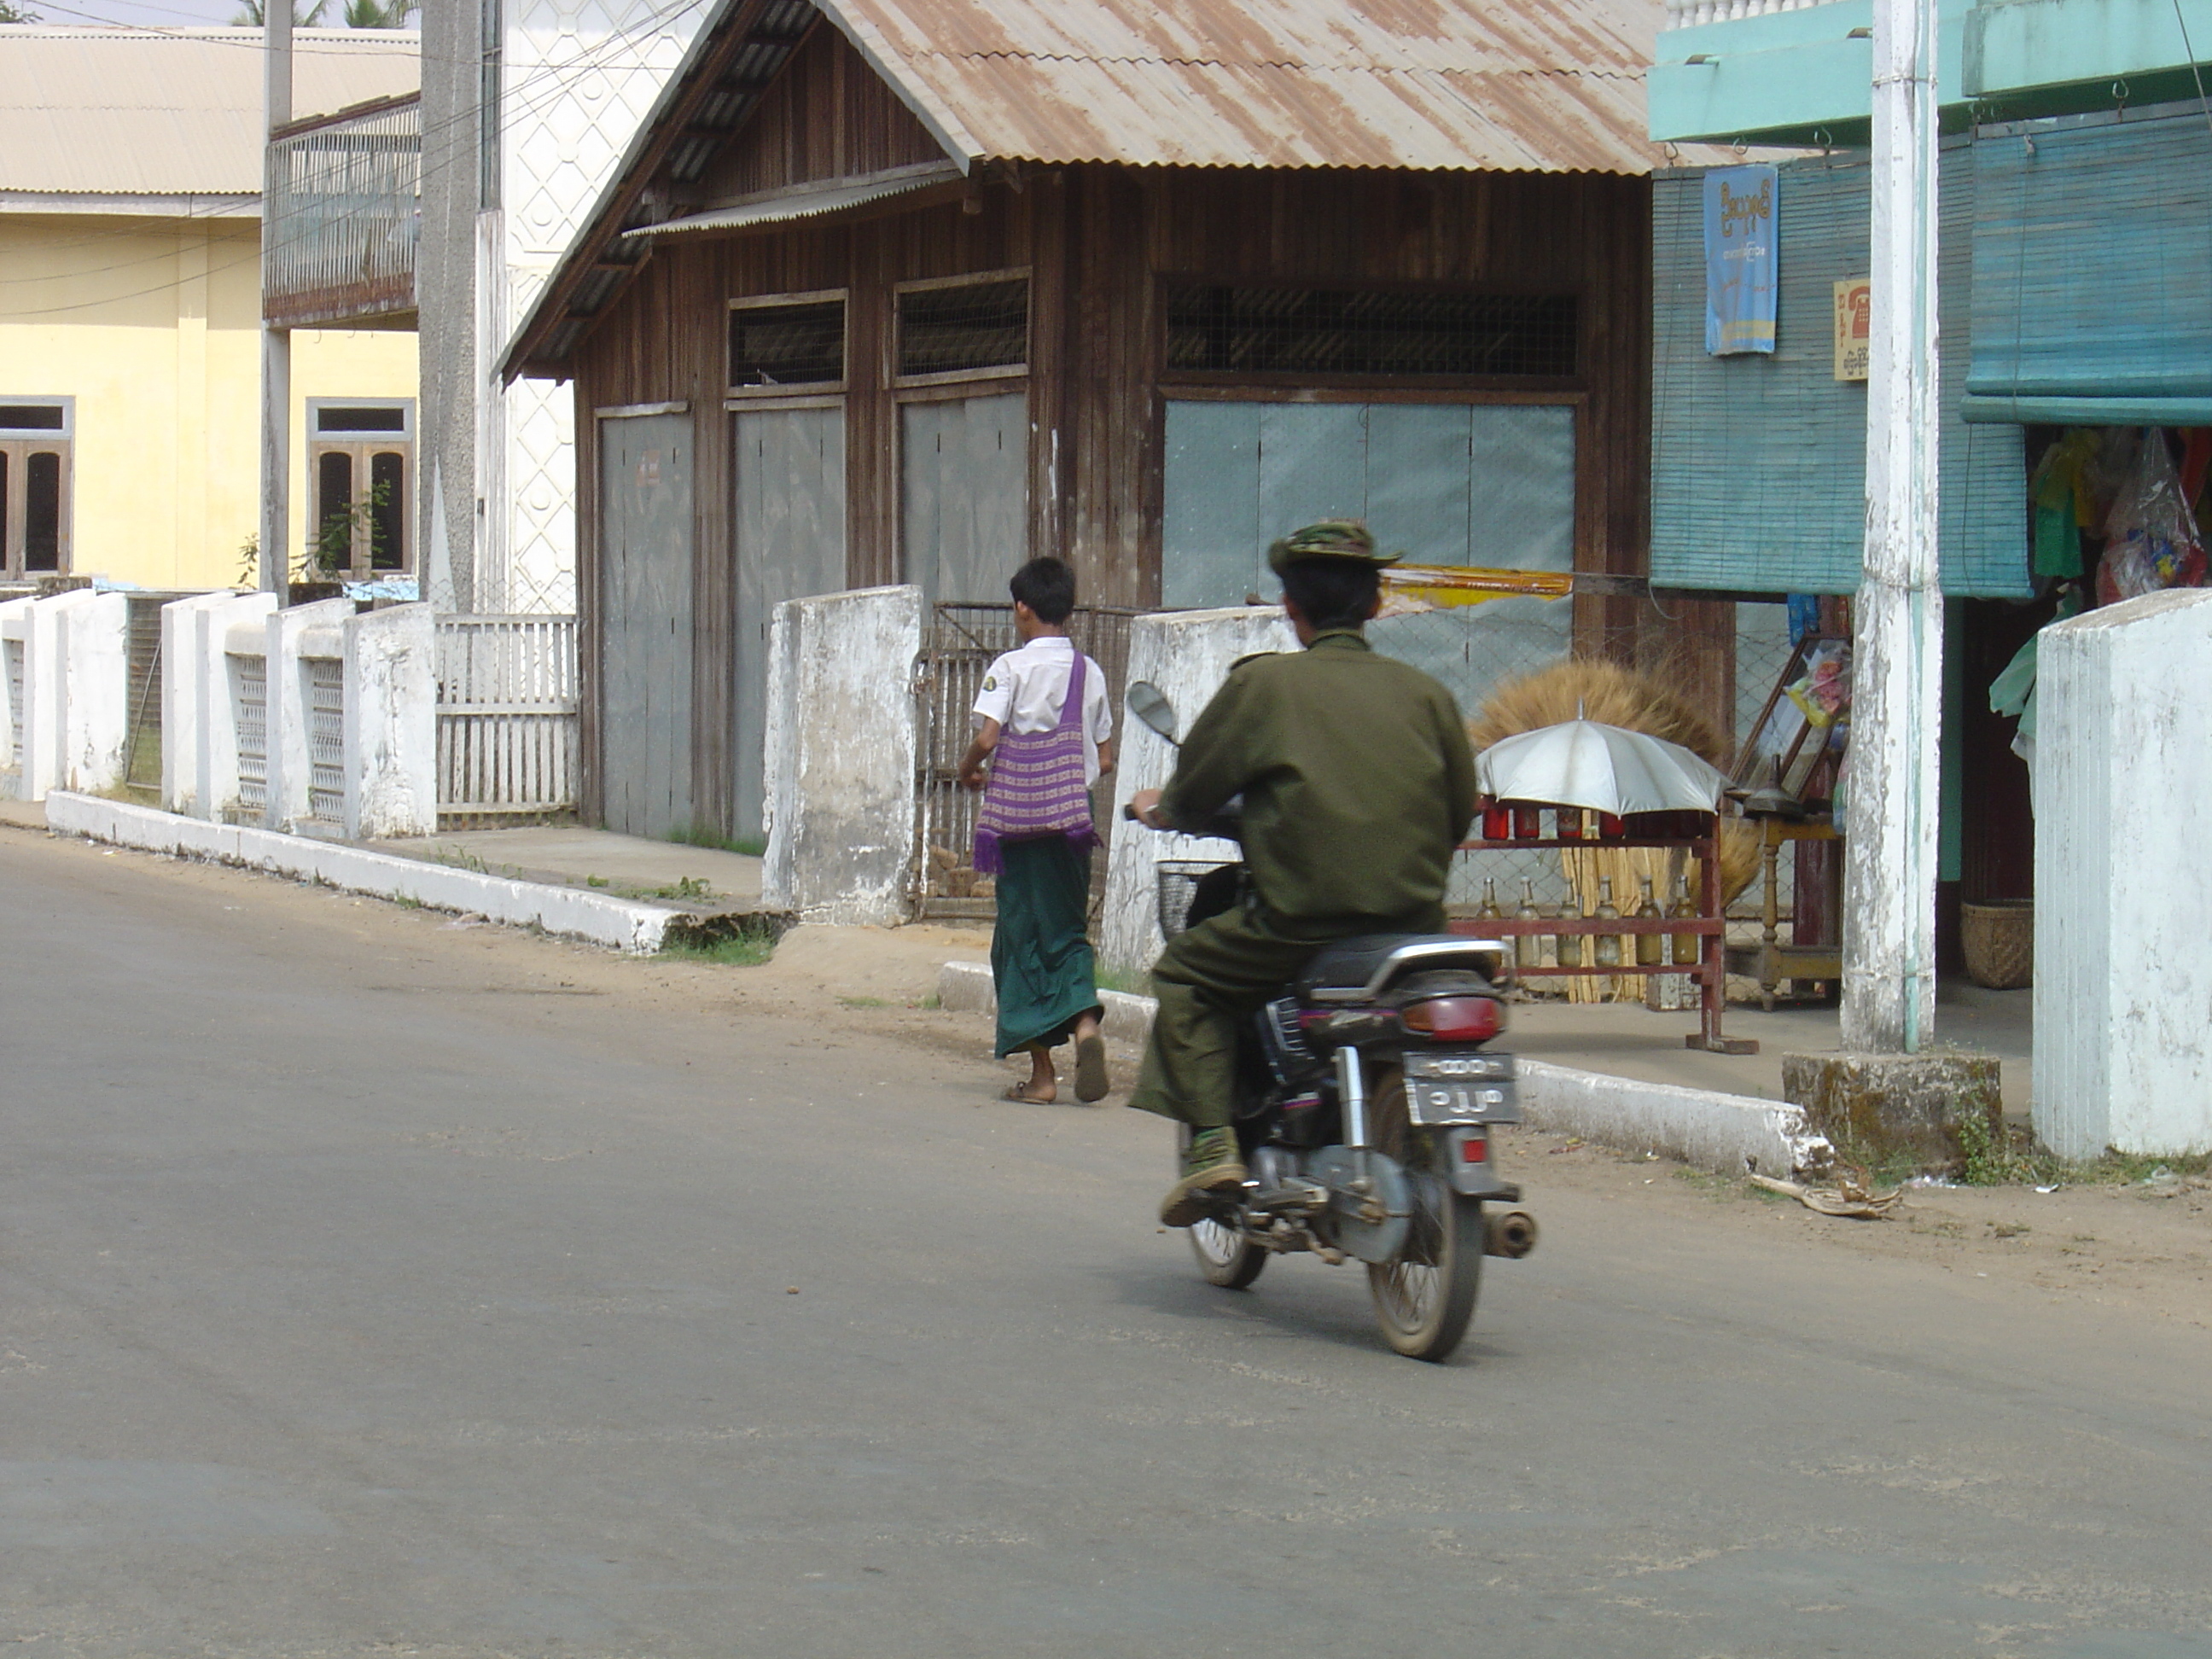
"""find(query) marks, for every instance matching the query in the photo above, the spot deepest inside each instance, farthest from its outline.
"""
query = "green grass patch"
(1114, 979)
(744, 950)
(699, 836)
(864, 1002)
(686, 887)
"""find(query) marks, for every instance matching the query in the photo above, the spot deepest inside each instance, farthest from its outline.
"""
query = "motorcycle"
(1366, 1095)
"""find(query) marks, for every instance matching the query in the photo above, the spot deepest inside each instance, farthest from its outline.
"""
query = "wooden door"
(788, 521)
(964, 496)
(645, 610)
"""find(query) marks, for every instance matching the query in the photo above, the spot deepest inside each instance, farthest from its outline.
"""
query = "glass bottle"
(1686, 945)
(1607, 953)
(1651, 948)
(1488, 910)
(1568, 947)
(1528, 947)
(1497, 821)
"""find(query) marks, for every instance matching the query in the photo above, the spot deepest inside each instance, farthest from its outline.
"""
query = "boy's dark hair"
(1332, 593)
(1048, 587)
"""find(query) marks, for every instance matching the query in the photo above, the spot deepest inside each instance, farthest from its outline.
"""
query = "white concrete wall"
(15, 631)
(842, 744)
(76, 713)
(391, 722)
(1187, 654)
(214, 756)
(290, 637)
(94, 632)
(2123, 903)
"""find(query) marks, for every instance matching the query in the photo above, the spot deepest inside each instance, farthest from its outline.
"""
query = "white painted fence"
(506, 715)
(64, 675)
(314, 718)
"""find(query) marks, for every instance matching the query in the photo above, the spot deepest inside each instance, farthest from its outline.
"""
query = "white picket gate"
(507, 716)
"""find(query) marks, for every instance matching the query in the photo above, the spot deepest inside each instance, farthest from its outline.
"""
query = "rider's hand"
(1146, 804)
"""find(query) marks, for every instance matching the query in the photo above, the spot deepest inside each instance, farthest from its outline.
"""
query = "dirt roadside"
(2145, 1247)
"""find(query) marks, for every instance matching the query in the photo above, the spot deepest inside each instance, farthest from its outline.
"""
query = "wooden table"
(1777, 961)
(1711, 971)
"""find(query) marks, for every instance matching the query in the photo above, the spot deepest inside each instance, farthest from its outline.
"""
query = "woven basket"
(1999, 940)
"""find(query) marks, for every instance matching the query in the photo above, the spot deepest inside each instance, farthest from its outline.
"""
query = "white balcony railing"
(338, 225)
(1681, 13)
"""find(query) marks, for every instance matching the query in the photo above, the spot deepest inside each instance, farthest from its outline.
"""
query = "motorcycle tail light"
(1456, 1019)
(1475, 1149)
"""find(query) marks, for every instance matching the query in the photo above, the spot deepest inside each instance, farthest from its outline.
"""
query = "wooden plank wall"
(1098, 241)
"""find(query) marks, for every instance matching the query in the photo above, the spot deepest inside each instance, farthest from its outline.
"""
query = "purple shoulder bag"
(1037, 787)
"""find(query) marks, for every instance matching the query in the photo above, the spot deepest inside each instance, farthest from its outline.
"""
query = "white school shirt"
(1025, 689)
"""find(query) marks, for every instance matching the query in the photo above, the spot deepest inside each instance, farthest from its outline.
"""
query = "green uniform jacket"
(1357, 780)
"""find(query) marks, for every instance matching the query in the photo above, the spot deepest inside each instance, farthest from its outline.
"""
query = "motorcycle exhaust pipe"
(1508, 1233)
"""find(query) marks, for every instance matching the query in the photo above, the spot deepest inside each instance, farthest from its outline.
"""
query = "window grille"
(1322, 331)
(799, 344)
(963, 327)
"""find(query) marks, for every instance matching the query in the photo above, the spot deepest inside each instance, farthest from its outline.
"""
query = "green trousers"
(1040, 948)
(1209, 981)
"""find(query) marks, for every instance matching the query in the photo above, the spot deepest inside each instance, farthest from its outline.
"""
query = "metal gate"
(326, 739)
(960, 643)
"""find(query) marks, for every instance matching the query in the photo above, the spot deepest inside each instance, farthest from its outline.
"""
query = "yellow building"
(131, 168)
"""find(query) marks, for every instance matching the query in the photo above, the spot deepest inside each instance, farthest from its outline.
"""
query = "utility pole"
(276, 342)
(1893, 795)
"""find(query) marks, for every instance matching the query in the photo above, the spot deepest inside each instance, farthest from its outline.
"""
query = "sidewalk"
(566, 855)
(1628, 1040)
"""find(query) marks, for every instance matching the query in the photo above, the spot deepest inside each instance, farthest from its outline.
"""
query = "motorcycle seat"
(1358, 968)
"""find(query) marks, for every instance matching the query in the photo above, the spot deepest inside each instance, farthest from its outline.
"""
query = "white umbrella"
(1606, 768)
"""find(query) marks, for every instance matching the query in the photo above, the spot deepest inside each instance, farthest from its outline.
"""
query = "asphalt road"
(368, 1287)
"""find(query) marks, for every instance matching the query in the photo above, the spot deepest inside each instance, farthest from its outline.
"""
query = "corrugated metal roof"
(1551, 85)
(174, 111)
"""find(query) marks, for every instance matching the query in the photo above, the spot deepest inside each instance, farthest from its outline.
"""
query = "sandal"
(1090, 1080)
(1020, 1094)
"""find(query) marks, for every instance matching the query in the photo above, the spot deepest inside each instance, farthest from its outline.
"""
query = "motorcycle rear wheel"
(1424, 1299)
(1225, 1256)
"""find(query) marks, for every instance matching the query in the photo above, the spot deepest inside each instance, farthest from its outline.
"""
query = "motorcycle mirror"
(1149, 704)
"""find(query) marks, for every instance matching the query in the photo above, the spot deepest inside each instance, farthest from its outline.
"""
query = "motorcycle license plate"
(1460, 1087)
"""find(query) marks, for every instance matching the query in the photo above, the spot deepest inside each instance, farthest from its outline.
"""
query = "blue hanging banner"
(1739, 259)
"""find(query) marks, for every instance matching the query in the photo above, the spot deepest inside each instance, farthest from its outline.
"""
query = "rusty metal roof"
(1548, 85)
(138, 113)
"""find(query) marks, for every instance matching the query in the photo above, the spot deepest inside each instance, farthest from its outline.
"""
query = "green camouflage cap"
(1332, 538)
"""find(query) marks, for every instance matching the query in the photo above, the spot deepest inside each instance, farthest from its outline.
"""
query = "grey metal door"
(964, 496)
(645, 607)
(789, 521)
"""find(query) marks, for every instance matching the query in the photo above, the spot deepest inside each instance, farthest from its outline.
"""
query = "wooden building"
(912, 291)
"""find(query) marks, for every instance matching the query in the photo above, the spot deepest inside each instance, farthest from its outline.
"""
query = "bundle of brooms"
(1594, 689)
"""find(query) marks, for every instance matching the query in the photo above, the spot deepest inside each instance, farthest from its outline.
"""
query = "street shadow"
(1294, 1299)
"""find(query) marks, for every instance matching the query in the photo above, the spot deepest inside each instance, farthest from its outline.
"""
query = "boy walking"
(1043, 712)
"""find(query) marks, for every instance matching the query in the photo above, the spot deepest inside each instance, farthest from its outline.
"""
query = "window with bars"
(1281, 330)
(964, 327)
(788, 343)
(35, 463)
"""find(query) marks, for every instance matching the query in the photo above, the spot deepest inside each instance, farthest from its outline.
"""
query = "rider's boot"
(1210, 1164)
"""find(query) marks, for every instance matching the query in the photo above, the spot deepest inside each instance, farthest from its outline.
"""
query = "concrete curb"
(595, 917)
(1729, 1134)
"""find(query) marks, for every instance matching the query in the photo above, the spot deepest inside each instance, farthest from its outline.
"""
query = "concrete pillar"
(842, 750)
(391, 722)
(2122, 912)
(293, 635)
(214, 776)
(15, 637)
(94, 632)
(1187, 654)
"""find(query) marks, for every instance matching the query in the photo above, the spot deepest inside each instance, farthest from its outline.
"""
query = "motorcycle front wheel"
(1225, 1256)
(1424, 1299)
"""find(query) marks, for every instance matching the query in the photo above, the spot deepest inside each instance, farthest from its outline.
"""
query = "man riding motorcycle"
(1357, 786)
